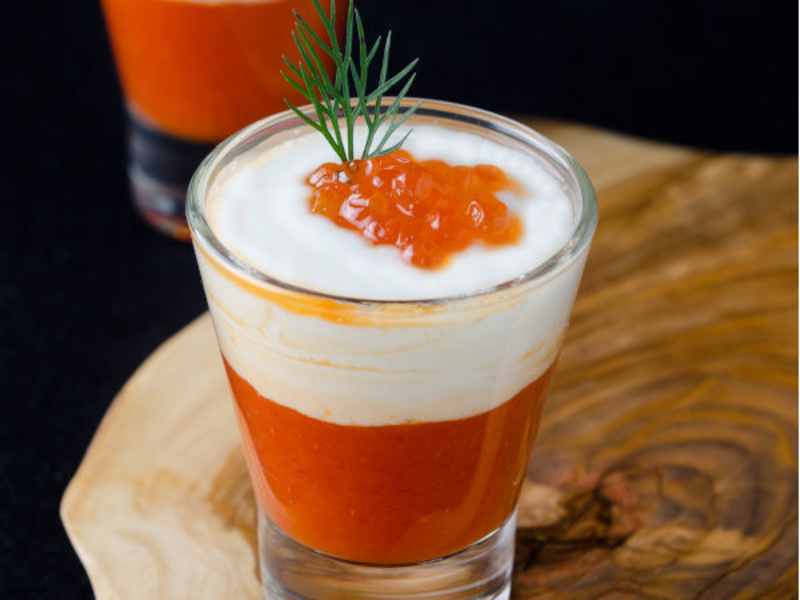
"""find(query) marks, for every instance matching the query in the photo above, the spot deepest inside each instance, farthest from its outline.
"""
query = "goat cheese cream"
(259, 209)
(386, 364)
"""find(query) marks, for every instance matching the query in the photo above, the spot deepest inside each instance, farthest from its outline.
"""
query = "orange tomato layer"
(428, 209)
(204, 70)
(388, 494)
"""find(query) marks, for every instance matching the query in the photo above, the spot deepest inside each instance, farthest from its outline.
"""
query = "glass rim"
(579, 239)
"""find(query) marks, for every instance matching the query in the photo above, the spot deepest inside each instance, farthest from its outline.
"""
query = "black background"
(87, 291)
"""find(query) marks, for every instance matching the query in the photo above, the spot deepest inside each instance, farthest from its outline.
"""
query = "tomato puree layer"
(204, 70)
(388, 494)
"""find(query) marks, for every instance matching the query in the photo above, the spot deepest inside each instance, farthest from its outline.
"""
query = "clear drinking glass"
(356, 504)
(193, 72)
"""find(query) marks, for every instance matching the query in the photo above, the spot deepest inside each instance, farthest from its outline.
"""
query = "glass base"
(160, 167)
(290, 570)
(161, 205)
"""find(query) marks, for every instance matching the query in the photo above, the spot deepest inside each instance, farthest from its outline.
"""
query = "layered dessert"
(201, 69)
(387, 350)
(193, 72)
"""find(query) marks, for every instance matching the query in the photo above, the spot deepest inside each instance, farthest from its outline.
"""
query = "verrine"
(388, 411)
(193, 72)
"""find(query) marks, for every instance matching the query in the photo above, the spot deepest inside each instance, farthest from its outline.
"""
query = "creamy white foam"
(259, 209)
(391, 364)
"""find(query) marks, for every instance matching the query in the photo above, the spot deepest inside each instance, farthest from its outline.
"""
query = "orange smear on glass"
(388, 494)
(428, 209)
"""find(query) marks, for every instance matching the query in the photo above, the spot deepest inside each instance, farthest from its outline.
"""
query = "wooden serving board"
(667, 461)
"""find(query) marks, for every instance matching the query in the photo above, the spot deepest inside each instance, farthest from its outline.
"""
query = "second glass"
(356, 500)
(193, 72)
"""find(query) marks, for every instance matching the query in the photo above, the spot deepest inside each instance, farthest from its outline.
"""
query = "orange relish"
(428, 209)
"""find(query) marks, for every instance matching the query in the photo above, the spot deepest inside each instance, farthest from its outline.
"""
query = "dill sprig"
(346, 96)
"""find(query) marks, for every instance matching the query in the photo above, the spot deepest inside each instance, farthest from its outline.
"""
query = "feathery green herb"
(346, 96)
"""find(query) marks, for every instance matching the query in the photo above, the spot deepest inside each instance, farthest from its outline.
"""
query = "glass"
(193, 72)
(407, 509)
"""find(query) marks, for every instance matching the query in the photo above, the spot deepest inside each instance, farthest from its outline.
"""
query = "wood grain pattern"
(666, 466)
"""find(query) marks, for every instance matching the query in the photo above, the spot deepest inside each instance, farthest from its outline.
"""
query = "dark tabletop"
(88, 291)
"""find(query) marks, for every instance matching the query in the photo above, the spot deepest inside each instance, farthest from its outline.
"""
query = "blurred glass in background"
(192, 73)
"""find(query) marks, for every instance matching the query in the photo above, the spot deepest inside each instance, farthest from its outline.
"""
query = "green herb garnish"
(333, 100)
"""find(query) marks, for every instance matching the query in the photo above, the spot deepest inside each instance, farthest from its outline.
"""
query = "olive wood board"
(666, 465)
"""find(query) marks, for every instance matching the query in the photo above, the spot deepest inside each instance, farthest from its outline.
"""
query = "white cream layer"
(259, 209)
(394, 366)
